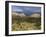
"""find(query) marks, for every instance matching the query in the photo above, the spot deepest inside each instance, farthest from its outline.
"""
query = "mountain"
(35, 15)
(32, 14)
(18, 13)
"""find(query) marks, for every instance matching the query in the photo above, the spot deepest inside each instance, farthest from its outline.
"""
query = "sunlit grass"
(25, 23)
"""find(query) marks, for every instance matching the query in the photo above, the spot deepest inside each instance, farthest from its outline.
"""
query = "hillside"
(25, 23)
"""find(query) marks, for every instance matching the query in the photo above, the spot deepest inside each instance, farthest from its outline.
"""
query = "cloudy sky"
(26, 9)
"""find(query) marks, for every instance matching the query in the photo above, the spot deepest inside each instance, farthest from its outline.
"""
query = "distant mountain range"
(32, 14)
(27, 14)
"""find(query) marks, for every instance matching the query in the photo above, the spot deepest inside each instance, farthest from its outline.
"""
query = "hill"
(22, 23)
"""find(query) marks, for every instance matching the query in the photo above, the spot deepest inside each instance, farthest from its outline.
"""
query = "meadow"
(25, 23)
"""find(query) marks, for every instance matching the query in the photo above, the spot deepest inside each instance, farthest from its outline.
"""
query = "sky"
(26, 9)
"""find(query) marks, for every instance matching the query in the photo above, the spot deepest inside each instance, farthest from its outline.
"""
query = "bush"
(38, 25)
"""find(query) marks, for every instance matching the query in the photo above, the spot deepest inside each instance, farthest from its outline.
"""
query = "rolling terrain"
(23, 23)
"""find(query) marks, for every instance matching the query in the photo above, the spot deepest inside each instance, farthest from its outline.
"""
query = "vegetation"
(25, 23)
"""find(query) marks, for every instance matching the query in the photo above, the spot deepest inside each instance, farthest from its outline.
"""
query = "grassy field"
(25, 23)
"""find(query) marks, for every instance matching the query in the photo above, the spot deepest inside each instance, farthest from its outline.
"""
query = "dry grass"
(25, 23)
